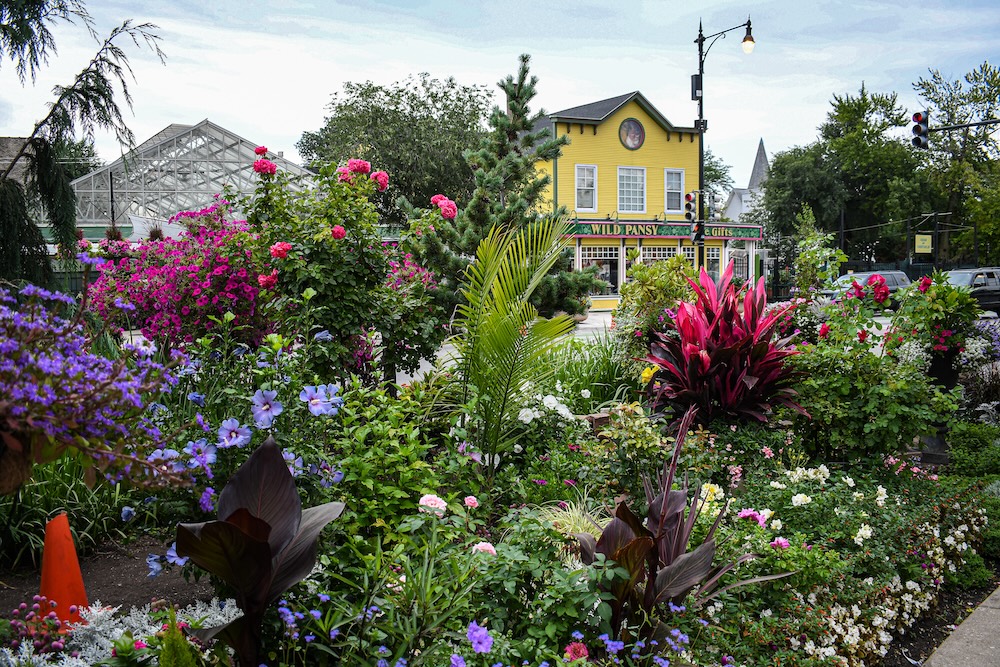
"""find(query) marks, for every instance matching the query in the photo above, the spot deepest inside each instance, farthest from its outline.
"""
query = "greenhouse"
(180, 168)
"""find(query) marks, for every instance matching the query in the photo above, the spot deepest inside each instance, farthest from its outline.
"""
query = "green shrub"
(863, 406)
(975, 449)
(972, 573)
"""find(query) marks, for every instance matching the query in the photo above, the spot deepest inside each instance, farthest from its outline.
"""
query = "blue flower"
(128, 514)
(317, 400)
(173, 558)
(457, 660)
(233, 434)
(323, 336)
(479, 637)
(265, 407)
(155, 566)
(197, 399)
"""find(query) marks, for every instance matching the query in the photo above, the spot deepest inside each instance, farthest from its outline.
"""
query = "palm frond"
(503, 341)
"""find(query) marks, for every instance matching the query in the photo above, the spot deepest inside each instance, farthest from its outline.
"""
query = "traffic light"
(697, 231)
(691, 206)
(921, 129)
(711, 213)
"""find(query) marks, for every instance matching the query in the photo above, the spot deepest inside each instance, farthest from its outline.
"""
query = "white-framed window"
(689, 254)
(606, 259)
(657, 253)
(713, 260)
(673, 190)
(586, 188)
(631, 189)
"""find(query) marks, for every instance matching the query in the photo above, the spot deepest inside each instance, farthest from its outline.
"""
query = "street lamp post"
(701, 124)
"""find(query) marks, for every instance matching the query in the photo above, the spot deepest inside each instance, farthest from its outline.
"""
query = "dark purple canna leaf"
(264, 544)
(675, 581)
(264, 486)
(296, 560)
(241, 559)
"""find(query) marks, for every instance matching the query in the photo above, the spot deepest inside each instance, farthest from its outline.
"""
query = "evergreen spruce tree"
(88, 103)
(507, 195)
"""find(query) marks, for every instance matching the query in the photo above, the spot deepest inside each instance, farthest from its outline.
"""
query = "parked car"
(894, 280)
(984, 283)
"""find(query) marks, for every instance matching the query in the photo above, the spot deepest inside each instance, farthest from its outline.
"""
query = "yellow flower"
(648, 374)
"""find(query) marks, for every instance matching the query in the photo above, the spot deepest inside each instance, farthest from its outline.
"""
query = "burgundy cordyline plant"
(722, 356)
(58, 397)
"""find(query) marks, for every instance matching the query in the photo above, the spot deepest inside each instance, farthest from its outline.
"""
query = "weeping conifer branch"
(86, 105)
(25, 35)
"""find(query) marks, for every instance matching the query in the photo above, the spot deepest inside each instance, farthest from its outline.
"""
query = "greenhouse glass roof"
(181, 168)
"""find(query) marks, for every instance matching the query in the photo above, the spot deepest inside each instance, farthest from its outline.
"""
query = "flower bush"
(59, 398)
(179, 289)
(938, 316)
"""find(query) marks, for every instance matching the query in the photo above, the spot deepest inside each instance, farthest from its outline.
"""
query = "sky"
(266, 70)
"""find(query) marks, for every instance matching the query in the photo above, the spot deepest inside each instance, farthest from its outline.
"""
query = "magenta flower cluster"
(403, 271)
(178, 285)
(449, 209)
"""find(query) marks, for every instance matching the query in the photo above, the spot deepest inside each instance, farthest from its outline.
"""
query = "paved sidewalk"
(975, 642)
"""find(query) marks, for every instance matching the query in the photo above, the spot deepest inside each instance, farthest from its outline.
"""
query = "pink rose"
(925, 283)
(448, 209)
(260, 150)
(280, 249)
(338, 232)
(436, 198)
(780, 543)
(381, 180)
(485, 547)
(268, 281)
(265, 167)
(344, 175)
(357, 166)
(432, 504)
(471, 501)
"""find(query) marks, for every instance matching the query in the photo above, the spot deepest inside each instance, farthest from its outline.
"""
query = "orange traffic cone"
(62, 581)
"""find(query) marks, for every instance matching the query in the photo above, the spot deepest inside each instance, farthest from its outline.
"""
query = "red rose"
(381, 180)
(925, 283)
(862, 335)
(265, 167)
(268, 281)
(824, 330)
(280, 249)
(357, 166)
(338, 232)
(260, 150)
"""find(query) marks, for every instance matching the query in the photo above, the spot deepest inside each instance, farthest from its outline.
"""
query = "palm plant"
(501, 339)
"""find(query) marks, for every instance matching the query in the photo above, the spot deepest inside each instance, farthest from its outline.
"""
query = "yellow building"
(623, 178)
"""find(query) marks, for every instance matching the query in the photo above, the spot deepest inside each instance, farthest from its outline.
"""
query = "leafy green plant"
(723, 359)
(501, 339)
(58, 487)
(646, 297)
(661, 571)
(863, 406)
(975, 449)
(263, 544)
(589, 374)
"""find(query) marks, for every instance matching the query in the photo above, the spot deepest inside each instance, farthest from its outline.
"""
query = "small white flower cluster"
(550, 403)
(915, 354)
(975, 352)
(820, 474)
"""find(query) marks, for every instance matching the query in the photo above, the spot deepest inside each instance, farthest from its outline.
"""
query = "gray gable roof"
(595, 113)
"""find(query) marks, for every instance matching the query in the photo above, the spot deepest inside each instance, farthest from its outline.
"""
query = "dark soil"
(114, 575)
